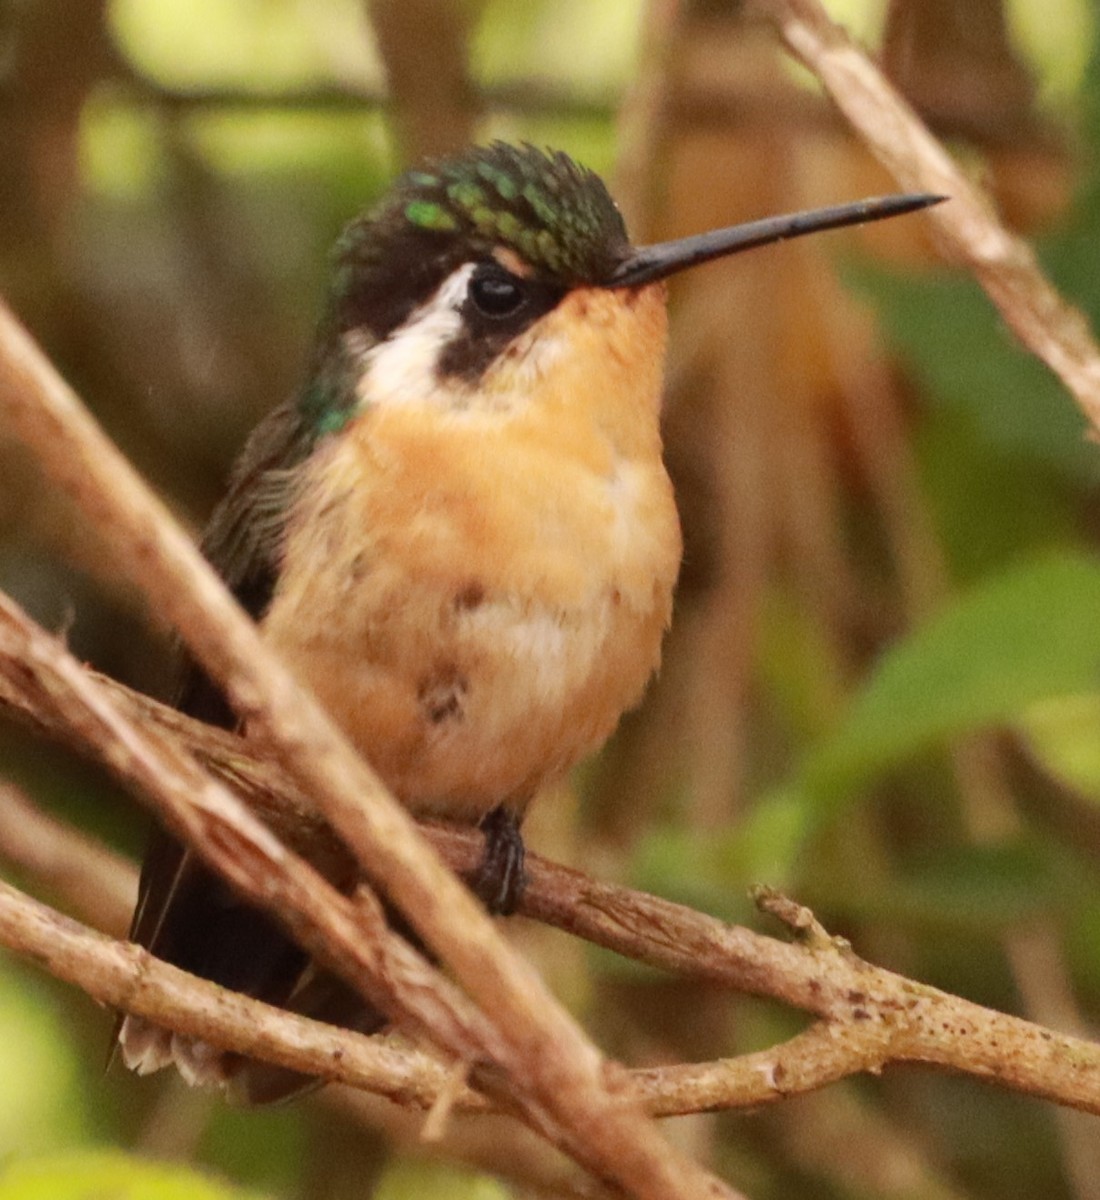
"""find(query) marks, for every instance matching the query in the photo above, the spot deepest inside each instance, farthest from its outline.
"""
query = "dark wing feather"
(242, 541)
(185, 913)
(242, 544)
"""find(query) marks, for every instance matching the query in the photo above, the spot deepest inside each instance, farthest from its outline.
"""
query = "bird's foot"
(499, 879)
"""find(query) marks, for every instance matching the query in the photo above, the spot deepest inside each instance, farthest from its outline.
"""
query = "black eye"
(495, 292)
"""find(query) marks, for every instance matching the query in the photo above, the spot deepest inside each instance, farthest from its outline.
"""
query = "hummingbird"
(459, 533)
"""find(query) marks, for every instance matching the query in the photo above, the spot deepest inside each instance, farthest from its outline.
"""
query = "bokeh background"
(882, 689)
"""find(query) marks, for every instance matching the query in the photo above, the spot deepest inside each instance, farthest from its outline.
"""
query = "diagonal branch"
(347, 934)
(969, 232)
(434, 105)
(127, 977)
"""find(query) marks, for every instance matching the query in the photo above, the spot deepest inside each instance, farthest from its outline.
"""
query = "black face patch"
(498, 307)
(379, 283)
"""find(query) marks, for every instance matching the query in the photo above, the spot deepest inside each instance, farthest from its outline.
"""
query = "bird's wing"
(185, 913)
(243, 540)
(242, 544)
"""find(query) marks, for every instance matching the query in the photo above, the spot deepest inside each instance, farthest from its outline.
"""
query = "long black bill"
(650, 263)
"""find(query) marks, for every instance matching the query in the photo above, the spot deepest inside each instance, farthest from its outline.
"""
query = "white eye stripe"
(402, 369)
(441, 310)
(451, 292)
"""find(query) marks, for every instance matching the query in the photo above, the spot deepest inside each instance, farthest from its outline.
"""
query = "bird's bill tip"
(648, 264)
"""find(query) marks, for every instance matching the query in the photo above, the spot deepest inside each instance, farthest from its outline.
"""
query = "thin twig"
(124, 976)
(127, 977)
(969, 232)
(204, 812)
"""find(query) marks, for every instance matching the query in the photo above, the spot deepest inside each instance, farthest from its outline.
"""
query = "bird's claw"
(499, 879)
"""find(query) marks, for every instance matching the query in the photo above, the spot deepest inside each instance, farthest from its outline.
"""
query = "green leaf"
(1064, 734)
(1030, 634)
(41, 1104)
(970, 888)
(954, 342)
(95, 1175)
(414, 1179)
(989, 509)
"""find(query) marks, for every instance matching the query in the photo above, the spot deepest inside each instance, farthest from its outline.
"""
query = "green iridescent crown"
(557, 216)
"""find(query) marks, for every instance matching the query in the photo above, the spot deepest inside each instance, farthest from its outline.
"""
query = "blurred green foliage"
(46, 1108)
(1023, 637)
(192, 228)
(410, 1178)
(81, 1176)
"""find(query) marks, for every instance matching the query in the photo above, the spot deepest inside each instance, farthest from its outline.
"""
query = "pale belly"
(475, 629)
(503, 698)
